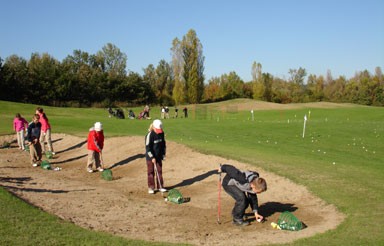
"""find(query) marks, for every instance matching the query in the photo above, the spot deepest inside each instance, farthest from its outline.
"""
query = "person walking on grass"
(243, 186)
(45, 131)
(155, 150)
(20, 125)
(33, 136)
(95, 147)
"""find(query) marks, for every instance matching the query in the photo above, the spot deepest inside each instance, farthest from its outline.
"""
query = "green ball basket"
(288, 221)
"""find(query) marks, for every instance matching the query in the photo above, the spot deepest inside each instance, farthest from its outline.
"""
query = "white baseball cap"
(158, 125)
(98, 126)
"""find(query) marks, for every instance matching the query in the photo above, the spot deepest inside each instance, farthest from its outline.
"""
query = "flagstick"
(305, 121)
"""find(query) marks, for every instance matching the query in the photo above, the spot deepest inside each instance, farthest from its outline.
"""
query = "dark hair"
(41, 111)
(18, 115)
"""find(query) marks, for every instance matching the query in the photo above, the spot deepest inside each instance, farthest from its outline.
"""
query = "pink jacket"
(44, 123)
(19, 123)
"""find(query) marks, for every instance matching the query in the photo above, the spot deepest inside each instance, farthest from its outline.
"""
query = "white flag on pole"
(305, 121)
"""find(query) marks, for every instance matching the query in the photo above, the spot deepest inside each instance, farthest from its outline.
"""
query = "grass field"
(340, 159)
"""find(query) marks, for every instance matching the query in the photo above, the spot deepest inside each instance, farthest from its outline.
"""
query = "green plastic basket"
(175, 196)
(288, 221)
(45, 165)
(48, 154)
(106, 174)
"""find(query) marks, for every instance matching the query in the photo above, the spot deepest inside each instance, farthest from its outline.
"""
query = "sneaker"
(100, 169)
(240, 222)
(151, 191)
(35, 165)
(53, 153)
(163, 190)
(89, 170)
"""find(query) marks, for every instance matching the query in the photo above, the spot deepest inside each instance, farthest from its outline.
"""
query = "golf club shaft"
(219, 199)
(101, 160)
(157, 174)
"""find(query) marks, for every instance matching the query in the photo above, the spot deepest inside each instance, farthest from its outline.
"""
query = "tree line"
(82, 80)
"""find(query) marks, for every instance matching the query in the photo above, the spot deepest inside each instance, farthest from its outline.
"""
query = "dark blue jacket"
(155, 146)
(33, 131)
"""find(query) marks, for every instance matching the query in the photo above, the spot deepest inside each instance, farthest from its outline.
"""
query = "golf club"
(101, 160)
(158, 179)
(219, 200)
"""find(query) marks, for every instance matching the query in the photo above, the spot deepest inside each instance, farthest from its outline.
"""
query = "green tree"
(296, 81)
(231, 86)
(164, 82)
(178, 92)
(13, 77)
(43, 71)
(212, 90)
(193, 66)
(258, 86)
(82, 79)
(267, 80)
(114, 61)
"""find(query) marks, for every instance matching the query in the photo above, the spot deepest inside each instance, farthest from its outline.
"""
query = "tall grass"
(340, 159)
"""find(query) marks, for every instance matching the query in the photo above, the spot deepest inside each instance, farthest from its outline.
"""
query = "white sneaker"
(100, 169)
(89, 170)
(53, 153)
(151, 191)
(163, 190)
(35, 165)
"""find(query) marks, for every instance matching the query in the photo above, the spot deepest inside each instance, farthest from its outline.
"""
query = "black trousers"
(241, 200)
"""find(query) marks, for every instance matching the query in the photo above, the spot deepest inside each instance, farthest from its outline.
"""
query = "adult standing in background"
(185, 110)
(45, 131)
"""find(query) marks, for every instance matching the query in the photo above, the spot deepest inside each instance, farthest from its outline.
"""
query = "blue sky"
(340, 36)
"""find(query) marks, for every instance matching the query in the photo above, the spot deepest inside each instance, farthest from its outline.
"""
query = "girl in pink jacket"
(20, 125)
(45, 130)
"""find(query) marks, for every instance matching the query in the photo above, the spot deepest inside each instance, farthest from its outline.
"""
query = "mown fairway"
(340, 159)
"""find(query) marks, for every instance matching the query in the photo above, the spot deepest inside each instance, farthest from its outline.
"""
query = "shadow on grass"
(190, 181)
(72, 147)
(126, 161)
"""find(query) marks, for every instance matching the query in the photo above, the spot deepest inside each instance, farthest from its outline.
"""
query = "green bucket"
(175, 196)
(107, 174)
(48, 154)
(288, 221)
(45, 165)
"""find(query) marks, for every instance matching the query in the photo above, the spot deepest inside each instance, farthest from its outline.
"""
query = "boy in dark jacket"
(33, 136)
(243, 186)
(155, 149)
